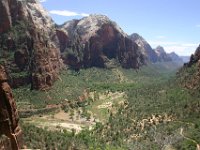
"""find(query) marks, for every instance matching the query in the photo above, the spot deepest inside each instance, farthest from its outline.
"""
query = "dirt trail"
(189, 139)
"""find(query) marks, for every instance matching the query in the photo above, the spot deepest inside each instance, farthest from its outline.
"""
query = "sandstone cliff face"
(5, 22)
(145, 48)
(28, 43)
(9, 118)
(97, 41)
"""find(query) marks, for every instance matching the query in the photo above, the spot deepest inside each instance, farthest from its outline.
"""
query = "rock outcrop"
(10, 132)
(28, 42)
(145, 48)
(195, 57)
(162, 55)
(189, 74)
(6, 17)
(97, 41)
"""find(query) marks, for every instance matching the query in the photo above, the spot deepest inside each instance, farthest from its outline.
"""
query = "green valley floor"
(112, 109)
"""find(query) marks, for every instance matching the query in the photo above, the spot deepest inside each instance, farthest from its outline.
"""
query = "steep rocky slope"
(144, 47)
(10, 132)
(189, 75)
(157, 55)
(97, 41)
(162, 55)
(28, 44)
(195, 57)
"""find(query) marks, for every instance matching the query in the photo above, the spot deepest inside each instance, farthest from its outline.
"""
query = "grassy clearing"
(105, 103)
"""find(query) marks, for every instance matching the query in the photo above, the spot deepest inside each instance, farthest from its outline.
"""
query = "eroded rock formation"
(145, 48)
(28, 43)
(194, 57)
(10, 132)
(162, 55)
(98, 41)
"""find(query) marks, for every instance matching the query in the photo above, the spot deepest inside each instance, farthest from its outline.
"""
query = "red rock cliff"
(9, 118)
(27, 31)
(98, 41)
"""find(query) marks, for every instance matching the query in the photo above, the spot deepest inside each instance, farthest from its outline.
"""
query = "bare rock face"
(5, 19)
(29, 34)
(63, 39)
(97, 41)
(162, 55)
(9, 118)
(145, 48)
(21, 58)
(195, 57)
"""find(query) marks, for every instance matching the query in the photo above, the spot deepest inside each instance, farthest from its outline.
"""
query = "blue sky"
(173, 24)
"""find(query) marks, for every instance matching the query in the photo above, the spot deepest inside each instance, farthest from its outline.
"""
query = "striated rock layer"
(97, 41)
(10, 132)
(28, 43)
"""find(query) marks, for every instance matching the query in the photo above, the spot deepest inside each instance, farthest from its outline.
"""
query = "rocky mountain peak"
(144, 47)
(136, 36)
(94, 22)
(175, 57)
(39, 13)
(139, 39)
(88, 26)
(96, 40)
(162, 55)
(159, 50)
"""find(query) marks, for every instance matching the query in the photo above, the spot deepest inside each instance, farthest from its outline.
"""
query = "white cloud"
(42, 1)
(67, 13)
(183, 49)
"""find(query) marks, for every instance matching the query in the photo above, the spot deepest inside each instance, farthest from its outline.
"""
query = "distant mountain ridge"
(153, 55)
(162, 55)
(144, 47)
(175, 57)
